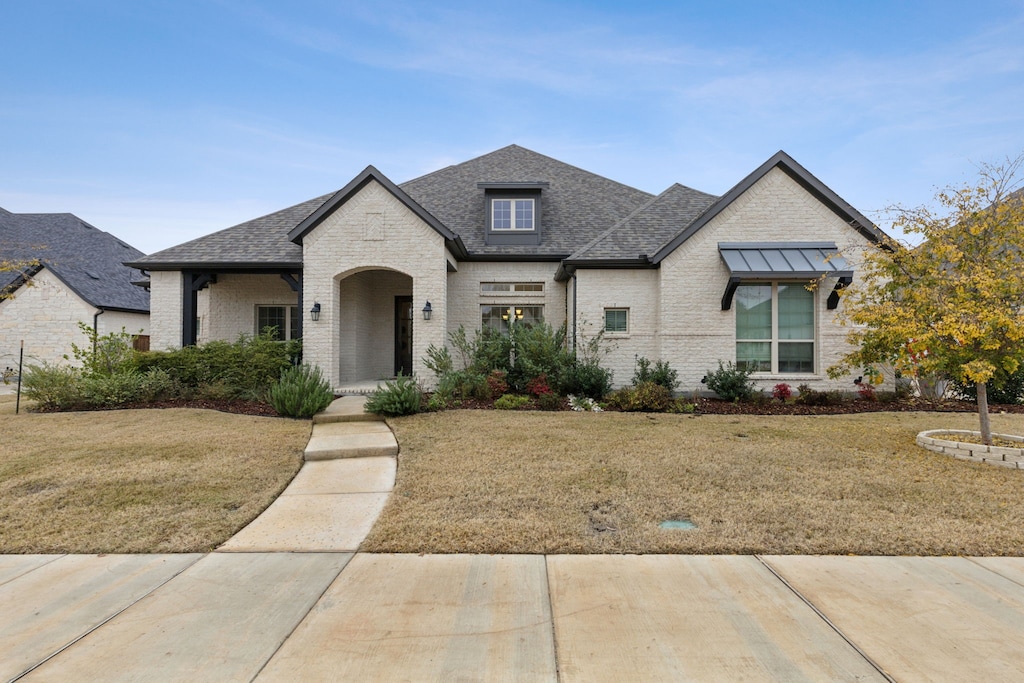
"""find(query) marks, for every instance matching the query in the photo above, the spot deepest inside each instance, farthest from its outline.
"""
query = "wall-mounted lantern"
(428, 310)
(314, 313)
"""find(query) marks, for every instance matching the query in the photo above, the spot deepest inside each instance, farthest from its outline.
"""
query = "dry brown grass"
(496, 482)
(176, 480)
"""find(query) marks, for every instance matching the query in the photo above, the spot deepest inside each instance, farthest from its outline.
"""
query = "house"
(373, 274)
(67, 272)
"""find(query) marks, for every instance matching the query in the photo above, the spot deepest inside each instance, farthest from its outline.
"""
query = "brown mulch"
(238, 407)
(714, 406)
(710, 406)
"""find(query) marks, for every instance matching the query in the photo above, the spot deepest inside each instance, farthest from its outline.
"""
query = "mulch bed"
(257, 408)
(713, 406)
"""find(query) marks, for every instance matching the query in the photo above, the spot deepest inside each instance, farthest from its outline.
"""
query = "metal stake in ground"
(21, 361)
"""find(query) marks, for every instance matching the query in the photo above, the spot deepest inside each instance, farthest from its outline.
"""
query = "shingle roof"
(649, 227)
(88, 260)
(576, 206)
(261, 241)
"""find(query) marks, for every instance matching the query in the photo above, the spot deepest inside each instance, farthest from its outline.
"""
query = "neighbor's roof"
(86, 259)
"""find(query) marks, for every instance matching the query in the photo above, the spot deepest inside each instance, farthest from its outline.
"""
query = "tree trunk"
(986, 427)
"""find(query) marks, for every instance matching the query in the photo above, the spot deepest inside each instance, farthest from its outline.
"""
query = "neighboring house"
(79, 276)
(683, 276)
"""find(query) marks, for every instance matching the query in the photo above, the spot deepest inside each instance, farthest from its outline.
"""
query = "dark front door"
(403, 335)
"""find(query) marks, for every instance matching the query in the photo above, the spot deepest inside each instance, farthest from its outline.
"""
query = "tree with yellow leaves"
(953, 304)
(15, 273)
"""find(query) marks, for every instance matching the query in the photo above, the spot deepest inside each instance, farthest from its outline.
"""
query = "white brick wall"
(695, 333)
(227, 308)
(636, 290)
(165, 310)
(46, 316)
(373, 230)
(465, 298)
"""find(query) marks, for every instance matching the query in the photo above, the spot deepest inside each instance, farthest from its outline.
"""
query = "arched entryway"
(374, 325)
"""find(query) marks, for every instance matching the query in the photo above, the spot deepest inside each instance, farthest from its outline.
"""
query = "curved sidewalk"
(332, 503)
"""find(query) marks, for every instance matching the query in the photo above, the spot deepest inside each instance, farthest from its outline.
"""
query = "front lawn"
(499, 482)
(176, 480)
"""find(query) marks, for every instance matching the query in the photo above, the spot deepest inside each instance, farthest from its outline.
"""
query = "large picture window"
(284, 318)
(775, 328)
(499, 317)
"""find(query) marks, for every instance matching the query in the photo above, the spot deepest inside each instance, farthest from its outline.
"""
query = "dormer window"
(512, 214)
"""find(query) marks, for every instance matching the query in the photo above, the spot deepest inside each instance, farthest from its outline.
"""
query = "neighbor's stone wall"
(634, 290)
(115, 321)
(165, 310)
(695, 333)
(45, 315)
(227, 308)
(465, 297)
(372, 230)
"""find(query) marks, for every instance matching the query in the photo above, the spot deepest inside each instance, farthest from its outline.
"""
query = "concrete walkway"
(289, 599)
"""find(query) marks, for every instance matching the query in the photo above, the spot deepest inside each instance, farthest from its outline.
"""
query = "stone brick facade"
(46, 315)
(372, 231)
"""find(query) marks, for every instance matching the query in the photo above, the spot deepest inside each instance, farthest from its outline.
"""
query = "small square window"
(512, 214)
(616, 320)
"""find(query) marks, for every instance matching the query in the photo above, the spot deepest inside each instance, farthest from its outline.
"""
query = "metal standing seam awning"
(781, 261)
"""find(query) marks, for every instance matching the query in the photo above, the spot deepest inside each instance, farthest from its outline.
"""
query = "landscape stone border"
(993, 455)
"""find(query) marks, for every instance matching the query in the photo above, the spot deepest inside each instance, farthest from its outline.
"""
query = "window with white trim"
(499, 317)
(284, 318)
(512, 287)
(775, 327)
(512, 214)
(616, 320)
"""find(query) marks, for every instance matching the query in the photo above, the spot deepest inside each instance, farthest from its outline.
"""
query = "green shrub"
(53, 387)
(109, 391)
(245, 368)
(401, 396)
(730, 382)
(462, 384)
(439, 360)
(648, 397)
(661, 374)
(537, 349)
(301, 392)
(511, 402)
(106, 354)
(550, 401)
(587, 379)
(1007, 388)
(681, 405)
(813, 397)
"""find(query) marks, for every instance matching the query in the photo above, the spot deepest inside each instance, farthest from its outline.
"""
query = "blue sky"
(160, 121)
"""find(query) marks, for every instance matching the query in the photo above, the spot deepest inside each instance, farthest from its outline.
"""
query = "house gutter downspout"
(96, 329)
(575, 316)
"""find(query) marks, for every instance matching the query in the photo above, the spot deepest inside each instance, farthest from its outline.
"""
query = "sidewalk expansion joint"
(824, 618)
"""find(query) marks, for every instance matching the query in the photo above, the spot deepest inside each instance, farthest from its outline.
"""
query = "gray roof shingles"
(649, 227)
(88, 260)
(576, 207)
(261, 241)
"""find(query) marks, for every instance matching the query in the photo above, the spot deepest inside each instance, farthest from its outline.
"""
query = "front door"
(403, 335)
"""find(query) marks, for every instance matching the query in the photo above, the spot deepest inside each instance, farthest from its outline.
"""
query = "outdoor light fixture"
(428, 310)
(314, 313)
